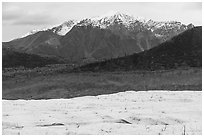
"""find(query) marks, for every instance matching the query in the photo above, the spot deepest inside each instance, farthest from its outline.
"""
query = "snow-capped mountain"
(111, 18)
(108, 36)
(124, 24)
(120, 18)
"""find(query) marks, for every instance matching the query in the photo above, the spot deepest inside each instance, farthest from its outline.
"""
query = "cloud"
(10, 17)
(35, 19)
(10, 12)
(16, 15)
(193, 6)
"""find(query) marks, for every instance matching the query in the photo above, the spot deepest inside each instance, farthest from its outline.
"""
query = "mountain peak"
(107, 19)
(111, 14)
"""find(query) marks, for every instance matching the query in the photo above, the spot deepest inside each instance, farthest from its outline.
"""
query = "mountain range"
(97, 39)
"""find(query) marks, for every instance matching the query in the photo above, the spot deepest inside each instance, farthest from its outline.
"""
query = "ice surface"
(121, 113)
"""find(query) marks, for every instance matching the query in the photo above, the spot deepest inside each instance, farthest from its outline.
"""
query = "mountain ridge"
(106, 18)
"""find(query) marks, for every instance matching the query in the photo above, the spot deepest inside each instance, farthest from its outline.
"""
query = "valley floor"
(152, 112)
(40, 84)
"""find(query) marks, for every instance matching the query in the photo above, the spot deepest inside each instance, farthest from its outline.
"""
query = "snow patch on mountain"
(34, 31)
(61, 29)
(107, 19)
(64, 28)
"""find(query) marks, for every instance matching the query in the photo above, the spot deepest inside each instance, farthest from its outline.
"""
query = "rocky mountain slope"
(184, 50)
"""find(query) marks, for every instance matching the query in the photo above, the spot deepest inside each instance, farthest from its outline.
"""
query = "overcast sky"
(19, 18)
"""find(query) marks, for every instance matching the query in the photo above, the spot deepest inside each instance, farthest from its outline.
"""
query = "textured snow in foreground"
(122, 113)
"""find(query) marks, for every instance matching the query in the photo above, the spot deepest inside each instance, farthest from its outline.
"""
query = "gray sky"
(19, 18)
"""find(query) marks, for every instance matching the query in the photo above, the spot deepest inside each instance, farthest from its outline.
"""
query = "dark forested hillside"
(15, 59)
